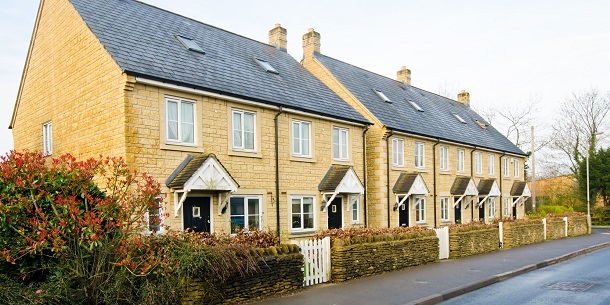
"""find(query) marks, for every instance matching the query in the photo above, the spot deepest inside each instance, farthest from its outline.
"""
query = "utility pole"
(533, 173)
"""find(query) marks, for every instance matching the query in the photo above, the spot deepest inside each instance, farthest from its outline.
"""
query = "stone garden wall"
(577, 225)
(280, 272)
(524, 232)
(555, 228)
(473, 242)
(354, 260)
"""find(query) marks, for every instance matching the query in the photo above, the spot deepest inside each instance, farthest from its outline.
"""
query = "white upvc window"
(419, 155)
(491, 164)
(444, 158)
(355, 201)
(445, 208)
(478, 162)
(302, 213)
(506, 207)
(340, 143)
(301, 135)
(179, 121)
(420, 209)
(245, 213)
(244, 130)
(398, 152)
(460, 160)
(505, 164)
(154, 217)
(47, 138)
(491, 207)
(516, 167)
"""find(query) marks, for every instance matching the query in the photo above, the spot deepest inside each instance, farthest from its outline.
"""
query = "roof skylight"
(266, 66)
(190, 44)
(382, 96)
(458, 117)
(415, 106)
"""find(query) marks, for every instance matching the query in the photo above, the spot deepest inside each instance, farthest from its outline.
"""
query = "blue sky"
(502, 52)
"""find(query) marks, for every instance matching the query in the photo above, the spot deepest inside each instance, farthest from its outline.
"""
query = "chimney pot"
(278, 37)
(311, 43)
(464, 98)
(404, 75)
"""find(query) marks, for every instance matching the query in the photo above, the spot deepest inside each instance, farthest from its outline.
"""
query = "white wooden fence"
(316, 254)
(443, 242)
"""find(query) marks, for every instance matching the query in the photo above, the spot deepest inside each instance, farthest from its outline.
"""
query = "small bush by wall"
(555, 228)
(473, 239)
(577, 225)
(522, 232)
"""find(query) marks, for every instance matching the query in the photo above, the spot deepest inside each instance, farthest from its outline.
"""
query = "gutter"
(364, 207)
(277, 171)
(438, 141)
(387, 141)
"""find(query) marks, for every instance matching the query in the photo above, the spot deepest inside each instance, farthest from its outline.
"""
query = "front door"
(196, 214)
(403, 214)
(482, 212)
(335, 214)
(514, 209)
(458, 211)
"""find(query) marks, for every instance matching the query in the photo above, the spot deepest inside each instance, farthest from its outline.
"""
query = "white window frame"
(242, 146)
(444, 158)
(460, 160)
(444, 208)
(506, 173)
(355, 209)
(420, 155)
(246, 215)
(47, 138)
(160, 212)
(298, 125)
(342, 147)
(180, 121)
(398, 152)
(516, 167)
(507, 204)
(491, 207)
(478, 163)
(313, 212)
(420, 209)
(491, 166)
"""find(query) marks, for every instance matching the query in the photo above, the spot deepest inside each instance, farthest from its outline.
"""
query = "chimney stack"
(404, 75)
(464, 98)
(311, 43)
(278, 37)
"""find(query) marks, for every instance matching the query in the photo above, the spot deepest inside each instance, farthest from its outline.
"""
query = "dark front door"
(403, 214)
(196, 214)
(514, 210)
(482, 212)
(458, 211)
(335, 214)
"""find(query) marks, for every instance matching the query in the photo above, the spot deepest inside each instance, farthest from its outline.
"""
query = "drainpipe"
(472, 177)
(277, 171)
(500, 178)
(438, 141)
(364, 171)
(387, 141)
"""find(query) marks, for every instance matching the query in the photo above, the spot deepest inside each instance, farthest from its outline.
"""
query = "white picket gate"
(316, 254)
(443, 242)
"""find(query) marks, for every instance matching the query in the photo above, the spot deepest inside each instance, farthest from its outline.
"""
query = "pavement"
(442, 280)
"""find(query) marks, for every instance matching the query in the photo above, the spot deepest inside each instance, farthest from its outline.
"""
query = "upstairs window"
(244, 130)
(340, 143)
(180, 121)
(382, 96)
(301, 133)
(478, 162)
(190, 44)
(460, 160)
(47, 138)
(491, 165)
(505, 165)
(516, 167)
(444, 152)
(398, 152)
(419, 155)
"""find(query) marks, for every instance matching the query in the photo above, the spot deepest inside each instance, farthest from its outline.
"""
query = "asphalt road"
(583, 280)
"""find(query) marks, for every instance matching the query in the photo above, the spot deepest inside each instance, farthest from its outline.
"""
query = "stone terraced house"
(237, 131)
(241, 135)
(431, 160)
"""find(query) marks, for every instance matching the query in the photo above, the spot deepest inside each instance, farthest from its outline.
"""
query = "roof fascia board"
(238, 100)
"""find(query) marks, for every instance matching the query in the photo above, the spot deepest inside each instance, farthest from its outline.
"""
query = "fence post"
(501, 228)
(565, 219)
(544, 225)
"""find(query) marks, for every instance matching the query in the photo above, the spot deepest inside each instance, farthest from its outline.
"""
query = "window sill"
(302, 159)
(342, 162)
(421, 170)
(421, 223)
(302, 233)
(398, 168)
(248, 154)
(445, 172)
(181, 147)
(447, 221)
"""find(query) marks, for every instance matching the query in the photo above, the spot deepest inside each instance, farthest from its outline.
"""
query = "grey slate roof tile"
(437, 120)
(460, 184)
(141, 39)
(517, 188)
(333, 178)
(485, 186)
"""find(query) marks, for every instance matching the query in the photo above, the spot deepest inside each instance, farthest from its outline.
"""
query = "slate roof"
(485, 185)
(141, 39)
(187, 169)
(460, 184)
(333, 177)
(404, 183)
(437, 119)
(517, 188)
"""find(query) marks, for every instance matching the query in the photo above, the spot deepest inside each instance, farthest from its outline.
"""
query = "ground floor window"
(491, 207)
(445, 208)
(302, 213)
(506, 207)
(154, 216)
(420, 209)
(355, 209)
(245, 213)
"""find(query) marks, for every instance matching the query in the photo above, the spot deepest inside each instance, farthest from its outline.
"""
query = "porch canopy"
(406, 185)
(520, 191)
(339, 179)
(202, 172)
(488, 188)
(462, 187)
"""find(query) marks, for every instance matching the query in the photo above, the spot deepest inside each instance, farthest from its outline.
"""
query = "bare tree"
(447, 89)
(583, 116)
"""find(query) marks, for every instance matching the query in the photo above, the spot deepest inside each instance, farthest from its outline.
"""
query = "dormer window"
(267, 67)
(458, 117)
(414, 105)
(190, 44)
(382, 96)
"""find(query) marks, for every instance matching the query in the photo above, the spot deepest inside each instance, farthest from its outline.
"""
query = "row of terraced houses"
(242, 135)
